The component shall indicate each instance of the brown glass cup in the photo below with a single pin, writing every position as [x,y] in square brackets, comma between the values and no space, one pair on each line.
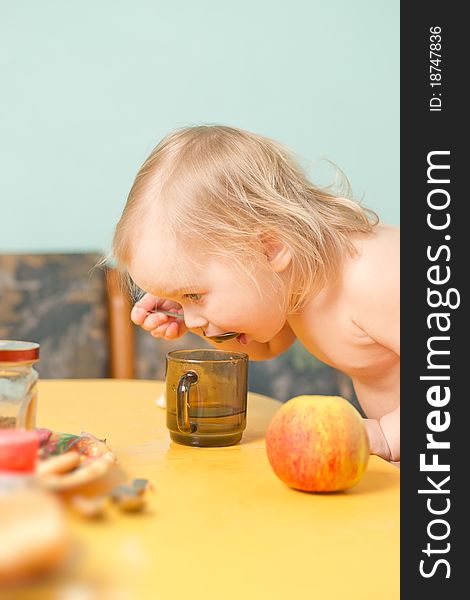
[206,396]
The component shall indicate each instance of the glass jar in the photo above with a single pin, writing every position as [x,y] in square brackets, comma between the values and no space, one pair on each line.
[18,384]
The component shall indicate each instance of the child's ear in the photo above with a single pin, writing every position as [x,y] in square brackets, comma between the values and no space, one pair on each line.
[278,254]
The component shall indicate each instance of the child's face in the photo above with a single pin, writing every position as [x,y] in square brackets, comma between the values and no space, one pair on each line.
[216,296]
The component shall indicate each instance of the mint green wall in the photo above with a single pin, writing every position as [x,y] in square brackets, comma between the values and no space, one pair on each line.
[89,88]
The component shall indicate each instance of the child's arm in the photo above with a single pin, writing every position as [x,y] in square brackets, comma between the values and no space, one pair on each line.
[384,435]
[375,299]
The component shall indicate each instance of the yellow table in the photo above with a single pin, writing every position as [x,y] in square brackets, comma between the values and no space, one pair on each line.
[220,525]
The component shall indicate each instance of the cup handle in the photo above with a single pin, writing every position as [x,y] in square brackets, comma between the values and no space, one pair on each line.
[182,402]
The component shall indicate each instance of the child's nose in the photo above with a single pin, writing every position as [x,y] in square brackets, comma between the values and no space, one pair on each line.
[194,320]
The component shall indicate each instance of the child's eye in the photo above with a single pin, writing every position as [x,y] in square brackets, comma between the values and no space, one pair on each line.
[193,297]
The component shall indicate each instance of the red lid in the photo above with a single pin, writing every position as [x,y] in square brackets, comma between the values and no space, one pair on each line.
[15,351]
[18,450]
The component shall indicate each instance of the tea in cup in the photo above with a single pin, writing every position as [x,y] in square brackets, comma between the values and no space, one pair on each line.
[206,396]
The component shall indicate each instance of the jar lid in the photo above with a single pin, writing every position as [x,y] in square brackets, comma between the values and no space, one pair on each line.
[18,450]
[15,351]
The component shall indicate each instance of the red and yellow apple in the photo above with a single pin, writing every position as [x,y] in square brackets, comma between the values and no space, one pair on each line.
[318,444]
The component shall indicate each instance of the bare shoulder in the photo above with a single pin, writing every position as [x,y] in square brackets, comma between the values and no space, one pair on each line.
[372,286]
[376,266]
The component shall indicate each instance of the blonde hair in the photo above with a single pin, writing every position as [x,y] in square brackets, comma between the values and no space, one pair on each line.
[223,188]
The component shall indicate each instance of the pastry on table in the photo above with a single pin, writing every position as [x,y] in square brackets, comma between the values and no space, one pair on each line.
[34,534]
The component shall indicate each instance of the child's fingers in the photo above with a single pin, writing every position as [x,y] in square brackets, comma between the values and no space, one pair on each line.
[160,331]
[150,305]
[142,308]
[153,321]
[169,305]
[169,331]
[172,331]
[148,302]
[138,315]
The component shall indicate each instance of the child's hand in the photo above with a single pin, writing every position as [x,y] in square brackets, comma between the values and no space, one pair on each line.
[146,314]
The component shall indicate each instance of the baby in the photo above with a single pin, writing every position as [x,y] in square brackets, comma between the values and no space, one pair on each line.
[223,226]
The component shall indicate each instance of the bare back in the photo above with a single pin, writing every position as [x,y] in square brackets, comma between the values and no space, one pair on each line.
[354,325]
